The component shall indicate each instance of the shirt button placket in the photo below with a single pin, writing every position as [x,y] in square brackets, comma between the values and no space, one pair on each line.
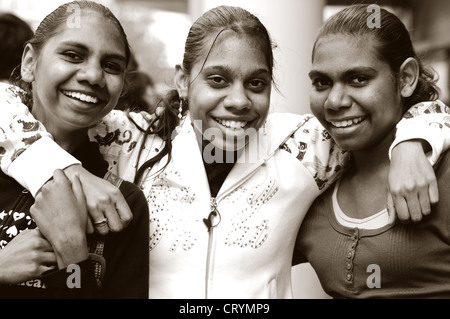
[351,255]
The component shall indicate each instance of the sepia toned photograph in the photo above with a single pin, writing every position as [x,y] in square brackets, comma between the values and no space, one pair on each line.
[215,154]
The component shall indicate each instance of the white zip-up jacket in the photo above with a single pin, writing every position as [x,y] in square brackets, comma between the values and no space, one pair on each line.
[246,252]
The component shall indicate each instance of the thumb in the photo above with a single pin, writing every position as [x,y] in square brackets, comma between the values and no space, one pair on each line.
[390,206]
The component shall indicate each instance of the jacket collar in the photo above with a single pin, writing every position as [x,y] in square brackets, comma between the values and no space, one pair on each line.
[261,147]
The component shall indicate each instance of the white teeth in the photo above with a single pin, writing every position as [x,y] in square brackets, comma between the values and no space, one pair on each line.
[232,124]
[81,96]
[348,122]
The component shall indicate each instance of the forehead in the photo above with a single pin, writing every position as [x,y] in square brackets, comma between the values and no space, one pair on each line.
[342,51]
[92,29]
[234,49]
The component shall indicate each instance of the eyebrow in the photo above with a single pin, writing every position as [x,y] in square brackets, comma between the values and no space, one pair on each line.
[349,72]
[81,46]
[228,70]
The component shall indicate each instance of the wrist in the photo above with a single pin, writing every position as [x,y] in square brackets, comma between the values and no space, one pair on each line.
[71,251]
[414,144]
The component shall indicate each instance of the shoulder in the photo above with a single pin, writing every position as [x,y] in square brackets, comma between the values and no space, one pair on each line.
[427,107]
[285,125]
[287,118]
[10,93]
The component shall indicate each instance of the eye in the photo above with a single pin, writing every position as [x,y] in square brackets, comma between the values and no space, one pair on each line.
[113,67]
[217,81]
[72,56]
[257,84]
[359,80]
[321,84]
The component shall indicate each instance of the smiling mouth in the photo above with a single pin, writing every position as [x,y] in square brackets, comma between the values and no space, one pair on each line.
[347,123]
[81,97]
[235,125]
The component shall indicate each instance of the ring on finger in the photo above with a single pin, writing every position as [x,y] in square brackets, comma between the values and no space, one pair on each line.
[101,222]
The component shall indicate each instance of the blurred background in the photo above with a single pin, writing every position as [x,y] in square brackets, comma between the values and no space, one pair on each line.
[157,30]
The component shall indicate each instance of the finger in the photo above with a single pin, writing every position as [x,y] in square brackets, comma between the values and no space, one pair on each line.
[48,258]
[59,176]
[96,215]
[414,208]
[102,229]
[433,192]
[119,216]
[44,245]
[90,228]
[43,269]
[424,202]
[390,205]
[124,212]
[401,208]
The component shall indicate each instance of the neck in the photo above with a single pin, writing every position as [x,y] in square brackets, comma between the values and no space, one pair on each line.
[68,139]
[66,136]
[362,190]
[372,158]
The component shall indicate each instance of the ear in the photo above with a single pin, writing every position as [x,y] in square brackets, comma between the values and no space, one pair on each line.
[181,82]
[27,68]
[409,77]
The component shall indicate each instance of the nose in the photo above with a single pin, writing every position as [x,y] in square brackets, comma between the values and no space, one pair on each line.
[237,98]
[92,72]
[338,98]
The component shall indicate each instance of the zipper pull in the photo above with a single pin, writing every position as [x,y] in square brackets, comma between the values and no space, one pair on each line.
[214,217]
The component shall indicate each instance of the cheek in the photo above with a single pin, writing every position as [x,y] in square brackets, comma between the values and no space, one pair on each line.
[115,86]
[201,104]
[317,103]
[264,107]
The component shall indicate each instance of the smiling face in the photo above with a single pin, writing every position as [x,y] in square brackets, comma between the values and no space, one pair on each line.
[229,96]
[355,94]
[78,75]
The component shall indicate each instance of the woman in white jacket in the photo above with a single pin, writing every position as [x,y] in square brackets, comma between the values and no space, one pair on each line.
[228,184]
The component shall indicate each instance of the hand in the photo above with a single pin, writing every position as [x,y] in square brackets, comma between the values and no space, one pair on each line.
[26,257]
[103,199]
[412,182]
[61,216]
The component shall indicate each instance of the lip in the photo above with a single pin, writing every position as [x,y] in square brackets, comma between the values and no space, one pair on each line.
[347,122]
[233,123]
[84,96]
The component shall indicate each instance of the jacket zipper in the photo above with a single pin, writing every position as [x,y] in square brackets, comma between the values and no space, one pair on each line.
[214,216]
[211,222]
